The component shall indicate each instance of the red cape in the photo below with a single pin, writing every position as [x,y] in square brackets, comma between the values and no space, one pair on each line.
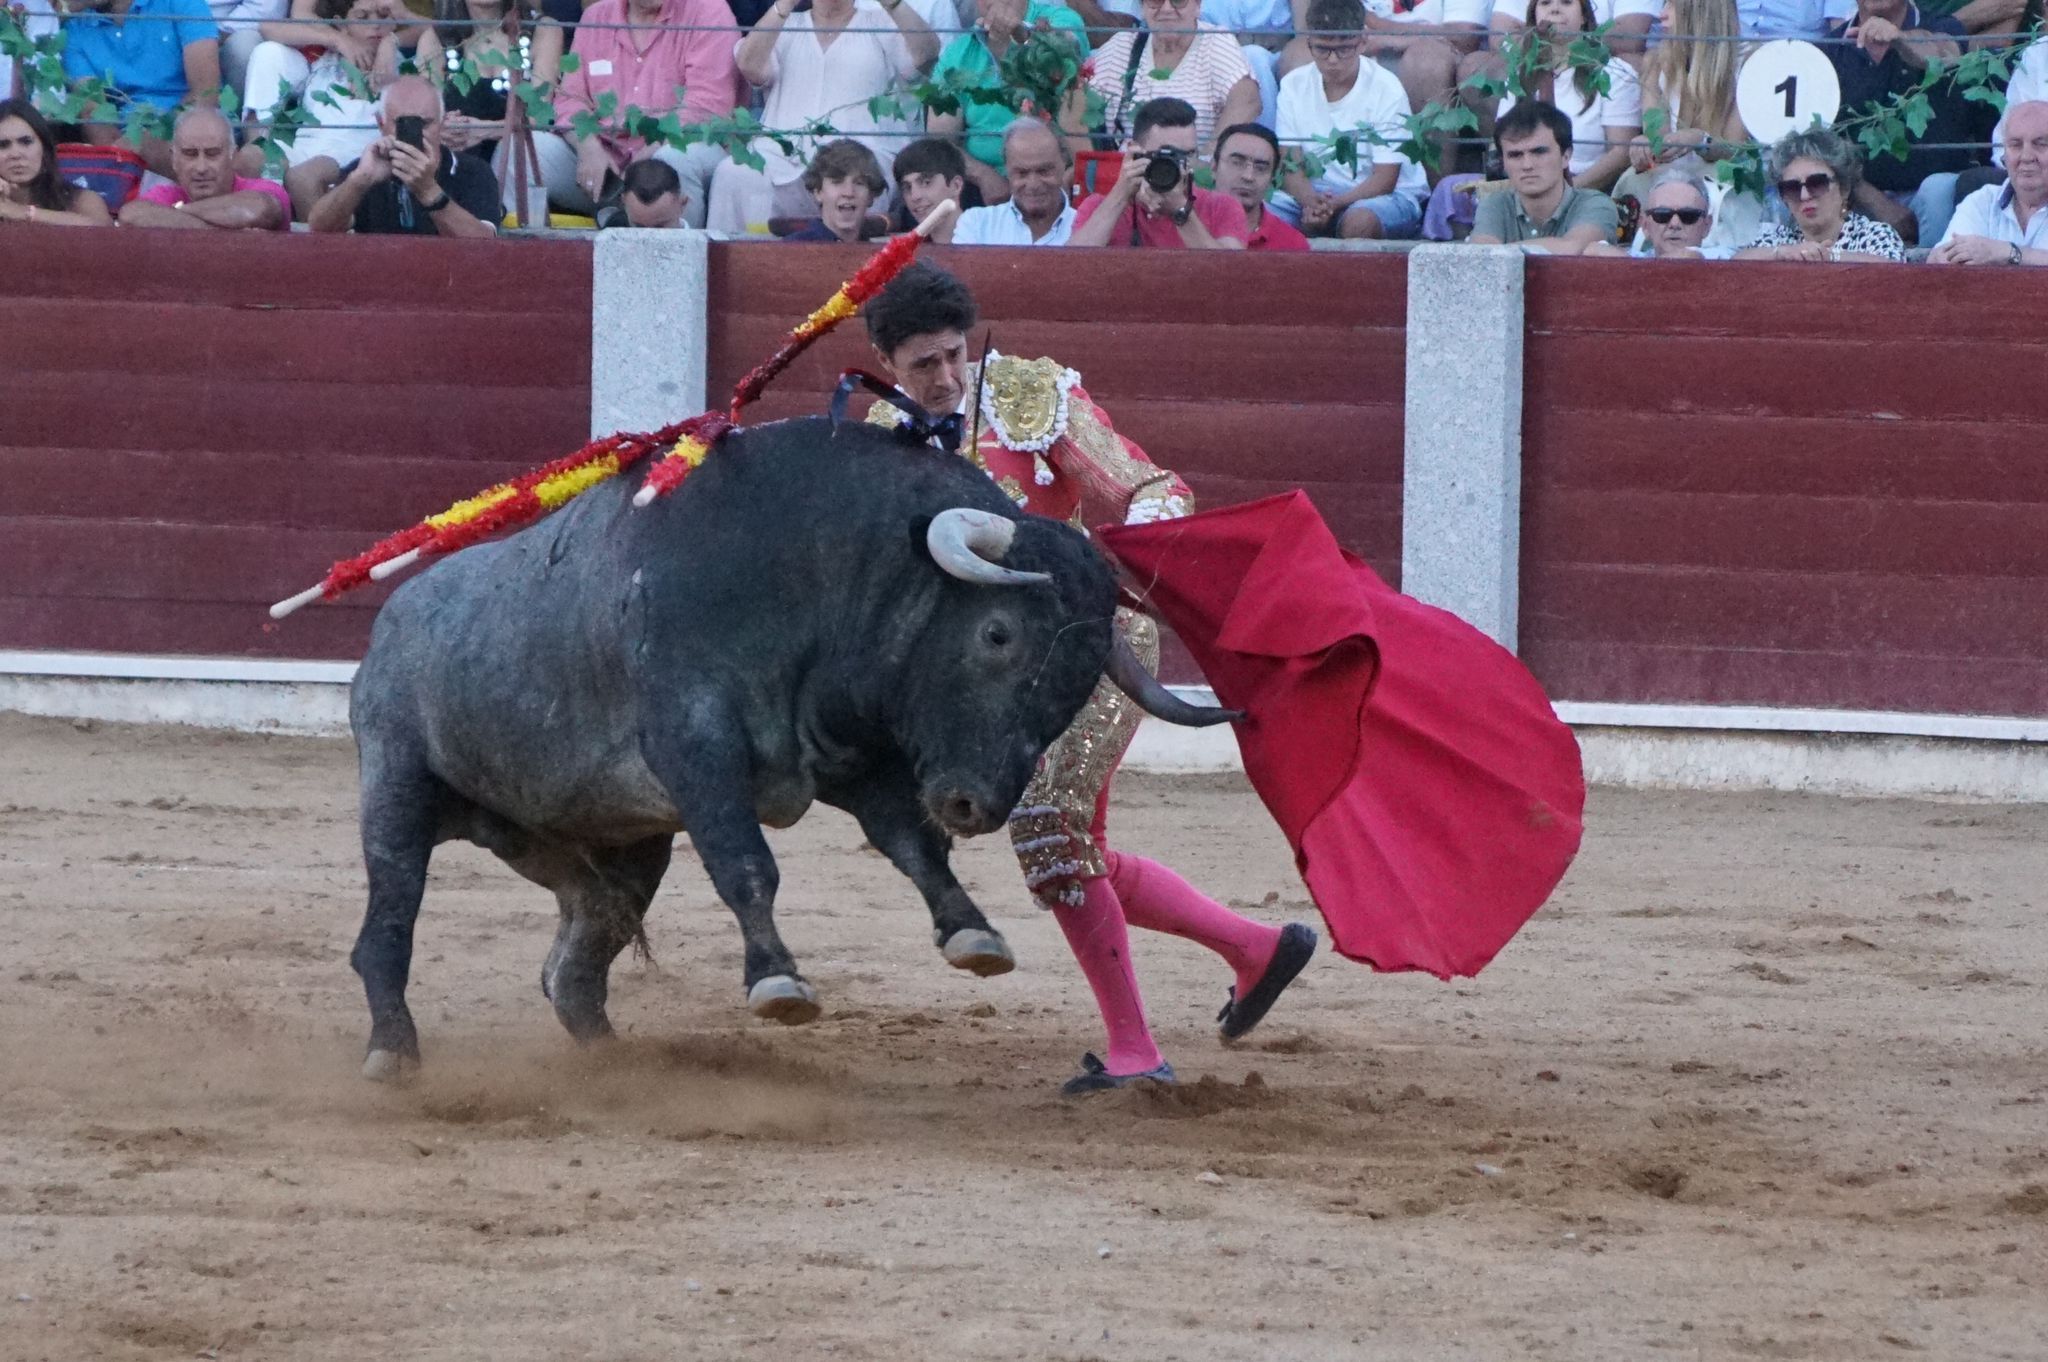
[1432,797]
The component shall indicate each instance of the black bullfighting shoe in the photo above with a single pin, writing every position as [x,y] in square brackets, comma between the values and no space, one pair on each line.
[1096,1077]
[1240,1015]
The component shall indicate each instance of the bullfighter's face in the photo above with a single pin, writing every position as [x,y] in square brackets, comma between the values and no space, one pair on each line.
[932,369]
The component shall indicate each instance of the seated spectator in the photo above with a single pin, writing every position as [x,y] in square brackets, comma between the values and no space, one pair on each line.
[1340,92]
[1133,213]
[928,172]
[2000,224]
[1175,55]
[660,56]
[171,56]
[1815,174]
[2028,82]
[1676,219]
[1423,41]
[281,66]
[240,23]
[1630,22]
[1036,211]
[1688,87]
[38,21]
[845,179]
[1247,159]
[475,50]
[31,188]
[340,100]
[825,63]
[399,188]
[979,126]
[1603,126]
[650,195]
[1887,48]
[204,190]
[1540,208]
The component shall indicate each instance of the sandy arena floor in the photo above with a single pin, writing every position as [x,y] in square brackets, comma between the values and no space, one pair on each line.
[1768,1079]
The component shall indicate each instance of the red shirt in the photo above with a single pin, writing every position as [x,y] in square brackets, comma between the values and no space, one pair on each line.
[1275,234]
[1220,213]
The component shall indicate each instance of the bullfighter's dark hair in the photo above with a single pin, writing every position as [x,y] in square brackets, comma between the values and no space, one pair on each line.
[920,300]
[1530,117]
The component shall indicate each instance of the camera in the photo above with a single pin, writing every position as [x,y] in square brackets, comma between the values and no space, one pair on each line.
[1164,168]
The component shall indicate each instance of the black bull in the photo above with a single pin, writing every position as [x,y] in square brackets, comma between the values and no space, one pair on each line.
[802,620]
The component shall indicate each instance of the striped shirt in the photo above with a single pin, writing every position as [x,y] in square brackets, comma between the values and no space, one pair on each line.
[1212,65]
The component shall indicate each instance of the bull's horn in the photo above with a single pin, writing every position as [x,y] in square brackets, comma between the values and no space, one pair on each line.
[968,544]
[1156,700]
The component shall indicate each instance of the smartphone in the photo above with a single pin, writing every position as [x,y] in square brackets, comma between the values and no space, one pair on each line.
[411,129]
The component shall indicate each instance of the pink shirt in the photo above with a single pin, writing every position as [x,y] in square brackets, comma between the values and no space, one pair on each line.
[696,55]
[1220,213]
[170,195]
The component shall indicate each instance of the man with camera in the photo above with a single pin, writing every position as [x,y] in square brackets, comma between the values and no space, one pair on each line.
[406,181]
[1154,201]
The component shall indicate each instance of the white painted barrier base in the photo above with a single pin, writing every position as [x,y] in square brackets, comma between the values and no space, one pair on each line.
[2001,760]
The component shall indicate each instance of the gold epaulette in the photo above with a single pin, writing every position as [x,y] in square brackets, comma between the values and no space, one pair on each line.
[1024,401]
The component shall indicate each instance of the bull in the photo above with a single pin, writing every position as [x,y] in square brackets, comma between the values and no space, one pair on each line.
[817,614]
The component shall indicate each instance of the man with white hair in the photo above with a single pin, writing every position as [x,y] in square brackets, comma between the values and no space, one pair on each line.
[1037,212]
[1678,213]
[403,186]
[2006,224]
[204,191]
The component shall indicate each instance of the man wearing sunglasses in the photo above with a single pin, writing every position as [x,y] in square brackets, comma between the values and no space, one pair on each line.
[1677,215]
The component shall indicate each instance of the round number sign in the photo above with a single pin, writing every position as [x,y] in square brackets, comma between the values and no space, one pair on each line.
[1786,86]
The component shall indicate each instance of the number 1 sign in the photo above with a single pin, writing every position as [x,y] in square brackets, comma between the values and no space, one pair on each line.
[1786,86]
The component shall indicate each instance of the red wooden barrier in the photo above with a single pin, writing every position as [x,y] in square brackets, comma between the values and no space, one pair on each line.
[197,424]
[1823,487]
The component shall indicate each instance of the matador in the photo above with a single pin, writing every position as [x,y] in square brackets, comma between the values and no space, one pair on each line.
[1032,426]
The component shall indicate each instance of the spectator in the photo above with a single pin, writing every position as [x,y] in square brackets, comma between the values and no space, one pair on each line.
[38,21]
[845,179]
[281,66]
[398,188]
[1540,208]
[340,102]
[2000,224]
[1343,92]
[31,189]
[241,28]
[1603,126]
[1247,159]
[168,58]
[974,55]
[1676,220]
[1889,43]
[1175,55]
[1133,213]
[1815,174]
[928,172]
[473,48]
[1688,89]
[1423,41]
[650,195]
[2028,82]
[825,64]
[204,190]
[661,57]
[1036,212]
[1630,22]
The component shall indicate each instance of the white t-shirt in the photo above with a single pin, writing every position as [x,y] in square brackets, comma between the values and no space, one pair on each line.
[1377,101]
[1003,225]
[1988,212]
[834,84]
[1433,13]
[1604,11]
[2029,81]
[1620,107]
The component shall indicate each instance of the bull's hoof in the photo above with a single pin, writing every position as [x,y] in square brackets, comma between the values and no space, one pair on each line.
[783,998]
[979,952]
[389,1066]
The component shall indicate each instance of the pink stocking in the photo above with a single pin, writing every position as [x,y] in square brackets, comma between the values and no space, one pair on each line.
[1158,900]
[1095,932]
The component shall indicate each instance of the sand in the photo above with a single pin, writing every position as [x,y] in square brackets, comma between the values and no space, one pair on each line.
[1769,1078]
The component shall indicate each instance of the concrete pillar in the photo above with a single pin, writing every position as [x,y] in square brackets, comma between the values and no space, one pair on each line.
[650,294]
[1461,501]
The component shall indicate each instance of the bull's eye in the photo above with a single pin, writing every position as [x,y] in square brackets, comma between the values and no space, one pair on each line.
[997,634]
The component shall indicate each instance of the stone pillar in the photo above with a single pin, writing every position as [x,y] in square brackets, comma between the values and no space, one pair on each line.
[650,294]
[1461,498]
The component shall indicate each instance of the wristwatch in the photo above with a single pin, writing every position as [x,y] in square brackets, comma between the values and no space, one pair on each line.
[437,205]
[2014,258]
[1184,212]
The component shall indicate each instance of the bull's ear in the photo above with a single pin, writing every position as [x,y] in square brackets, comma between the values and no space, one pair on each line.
[920,525]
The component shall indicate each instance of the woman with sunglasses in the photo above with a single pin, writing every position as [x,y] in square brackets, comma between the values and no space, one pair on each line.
[1815,174]
[31,188]
[1174,54]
